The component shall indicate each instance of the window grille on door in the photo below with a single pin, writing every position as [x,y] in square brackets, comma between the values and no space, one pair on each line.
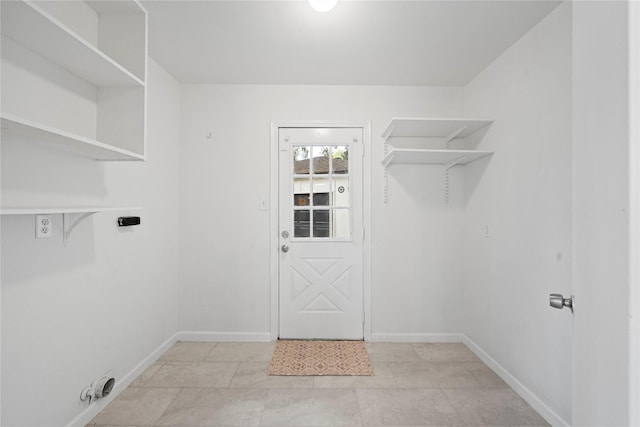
[321,197]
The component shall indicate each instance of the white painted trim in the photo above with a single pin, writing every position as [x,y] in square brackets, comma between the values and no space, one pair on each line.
[215,336]
[533,400]
[367,199]
[367,221]
[417,338]
[634,213]
[122,383]
[273,221]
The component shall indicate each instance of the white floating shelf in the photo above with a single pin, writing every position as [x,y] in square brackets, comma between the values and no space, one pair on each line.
[433,157]
[66,140]
[71,217]
[68,210]
[435,128]
[56,42]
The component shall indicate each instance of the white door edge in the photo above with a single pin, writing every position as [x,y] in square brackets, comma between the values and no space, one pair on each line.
[634,213]
[273,217]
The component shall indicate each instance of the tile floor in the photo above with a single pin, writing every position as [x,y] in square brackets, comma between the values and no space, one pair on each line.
[226,384]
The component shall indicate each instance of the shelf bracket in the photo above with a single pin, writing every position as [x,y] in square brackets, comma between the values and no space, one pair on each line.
[446,176]
[454,134]
[387,133]
[446,186]
[453,163]
[71,220]
[386,176]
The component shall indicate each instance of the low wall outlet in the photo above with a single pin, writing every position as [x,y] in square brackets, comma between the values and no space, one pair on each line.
[43,226]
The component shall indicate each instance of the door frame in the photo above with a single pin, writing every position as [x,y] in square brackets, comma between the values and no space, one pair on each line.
[274,217]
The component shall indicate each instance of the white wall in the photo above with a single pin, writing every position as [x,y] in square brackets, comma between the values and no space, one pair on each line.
[601,152]
[107,299]
[523,194]
[225,240]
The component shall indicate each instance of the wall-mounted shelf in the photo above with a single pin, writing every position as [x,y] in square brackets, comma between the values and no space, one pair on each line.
[75,75]
[432,157]
[34,28]
[445,130]
[71,217]
[433,128]
[65,140]
[69,210]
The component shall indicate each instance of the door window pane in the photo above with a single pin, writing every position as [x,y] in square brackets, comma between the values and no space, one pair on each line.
[340,159]
[341,224]
[301,224]
[320,199]
[320,155]
[301,199]
[301,157]
[321,226]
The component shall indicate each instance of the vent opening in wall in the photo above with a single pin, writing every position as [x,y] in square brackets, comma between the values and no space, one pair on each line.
[104,387]
[101,387]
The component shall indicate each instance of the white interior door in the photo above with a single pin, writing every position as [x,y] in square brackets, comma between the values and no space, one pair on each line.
[321,233]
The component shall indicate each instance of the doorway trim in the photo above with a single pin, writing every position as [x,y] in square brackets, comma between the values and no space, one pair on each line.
[273,216]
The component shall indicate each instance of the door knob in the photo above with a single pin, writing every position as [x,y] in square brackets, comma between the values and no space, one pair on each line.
[559,302]
[284,248]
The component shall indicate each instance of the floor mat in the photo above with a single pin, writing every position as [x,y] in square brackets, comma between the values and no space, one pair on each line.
[320,358]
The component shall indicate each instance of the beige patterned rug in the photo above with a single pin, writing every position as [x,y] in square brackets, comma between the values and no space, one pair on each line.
[320,358]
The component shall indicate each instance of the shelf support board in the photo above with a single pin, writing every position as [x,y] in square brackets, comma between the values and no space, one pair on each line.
[71,220]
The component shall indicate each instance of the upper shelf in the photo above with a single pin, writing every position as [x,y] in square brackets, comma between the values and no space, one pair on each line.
[73,210]
[439,128]
[435,157]
[76,143]
[32,27]
[71,217]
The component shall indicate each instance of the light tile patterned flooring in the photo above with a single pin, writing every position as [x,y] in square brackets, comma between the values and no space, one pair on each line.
[226,384]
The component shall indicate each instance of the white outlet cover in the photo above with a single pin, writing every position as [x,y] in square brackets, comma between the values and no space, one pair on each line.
[44,226]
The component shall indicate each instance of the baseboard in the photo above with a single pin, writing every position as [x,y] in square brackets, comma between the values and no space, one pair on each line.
[533,400]
[426,338]
[224,336]
[122,383]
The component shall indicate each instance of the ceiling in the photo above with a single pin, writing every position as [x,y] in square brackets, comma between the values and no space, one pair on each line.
[367,42]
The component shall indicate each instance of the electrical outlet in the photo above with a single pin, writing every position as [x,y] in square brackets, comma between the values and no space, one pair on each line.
[43,226]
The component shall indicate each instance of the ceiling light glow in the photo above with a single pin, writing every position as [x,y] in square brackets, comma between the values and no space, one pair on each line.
[323,5]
